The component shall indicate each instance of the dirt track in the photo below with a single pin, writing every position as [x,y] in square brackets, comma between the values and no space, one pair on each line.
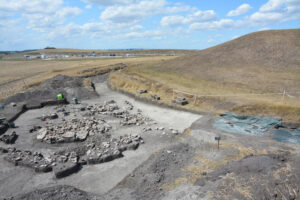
[169,165]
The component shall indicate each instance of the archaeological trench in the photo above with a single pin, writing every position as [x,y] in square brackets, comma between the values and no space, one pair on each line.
[113,146]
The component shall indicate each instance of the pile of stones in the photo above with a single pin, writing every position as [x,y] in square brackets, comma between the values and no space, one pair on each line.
[111,108]
[129,106]
[26,158]
[9,138]
[74,130]
[110,150]
[51,116]
[68,162]
[133,119]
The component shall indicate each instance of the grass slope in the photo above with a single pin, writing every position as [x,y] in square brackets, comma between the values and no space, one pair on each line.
[18,75]
[228,76]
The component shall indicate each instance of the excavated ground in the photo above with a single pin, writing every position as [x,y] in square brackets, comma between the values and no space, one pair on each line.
[111,146]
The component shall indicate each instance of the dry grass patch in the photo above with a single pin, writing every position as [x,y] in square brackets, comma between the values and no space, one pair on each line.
[207,165]
[211,96]
[18,75]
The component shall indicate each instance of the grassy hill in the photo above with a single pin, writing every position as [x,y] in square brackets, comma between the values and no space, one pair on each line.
[246,75]
[252,60]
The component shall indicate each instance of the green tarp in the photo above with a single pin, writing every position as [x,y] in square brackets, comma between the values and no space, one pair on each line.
[246,125]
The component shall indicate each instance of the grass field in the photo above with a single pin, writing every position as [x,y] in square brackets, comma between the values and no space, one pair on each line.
[18,75]
[214,96]
[256,74]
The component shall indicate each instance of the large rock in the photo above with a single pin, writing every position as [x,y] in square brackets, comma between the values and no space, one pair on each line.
[9,139]
[65,169]
[180,100]
[69,136]
[81,135]
[41,134]
[3,128]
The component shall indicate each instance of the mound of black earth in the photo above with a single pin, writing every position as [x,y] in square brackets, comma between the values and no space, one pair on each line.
[70,87]
[270,176]
[54,193]
[147,181]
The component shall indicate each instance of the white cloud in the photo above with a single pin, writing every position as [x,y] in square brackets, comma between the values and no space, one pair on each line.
[202,16]
[151,34]
[110,2]
[94,27]
[264,29]
[30,6]
[276,11]
[66,32]
[214,25]
[88,6]
[178,7]
[39,14]
[68,12]
[273,12]
[272,5]
[134,12]
[211,40]
[199,16]
[173,21]
[242,9]
[136,27]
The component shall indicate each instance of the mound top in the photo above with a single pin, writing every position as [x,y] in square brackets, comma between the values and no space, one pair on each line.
[272,49]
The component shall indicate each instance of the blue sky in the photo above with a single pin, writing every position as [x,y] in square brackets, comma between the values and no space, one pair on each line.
[155,24]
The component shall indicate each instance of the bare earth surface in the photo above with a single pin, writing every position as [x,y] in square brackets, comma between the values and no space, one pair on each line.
[177,158]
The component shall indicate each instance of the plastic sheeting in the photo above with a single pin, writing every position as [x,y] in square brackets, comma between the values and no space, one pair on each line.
[287,136]
[246,125]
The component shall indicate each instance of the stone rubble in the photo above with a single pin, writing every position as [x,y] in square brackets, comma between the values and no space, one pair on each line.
[71,131]
[113,149]
[34,160]
[129,105]
[111,108]
[67,162]
[9,138]
[81,123]
[51,116]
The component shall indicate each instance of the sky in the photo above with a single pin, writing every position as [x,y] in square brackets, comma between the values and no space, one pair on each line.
[147,24]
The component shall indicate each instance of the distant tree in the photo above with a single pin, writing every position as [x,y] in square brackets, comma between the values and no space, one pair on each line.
[50,48]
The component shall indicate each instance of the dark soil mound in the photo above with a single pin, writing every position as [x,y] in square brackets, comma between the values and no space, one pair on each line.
[256,177]
[55,193]
[69,86]
[147,180]
[61,81]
